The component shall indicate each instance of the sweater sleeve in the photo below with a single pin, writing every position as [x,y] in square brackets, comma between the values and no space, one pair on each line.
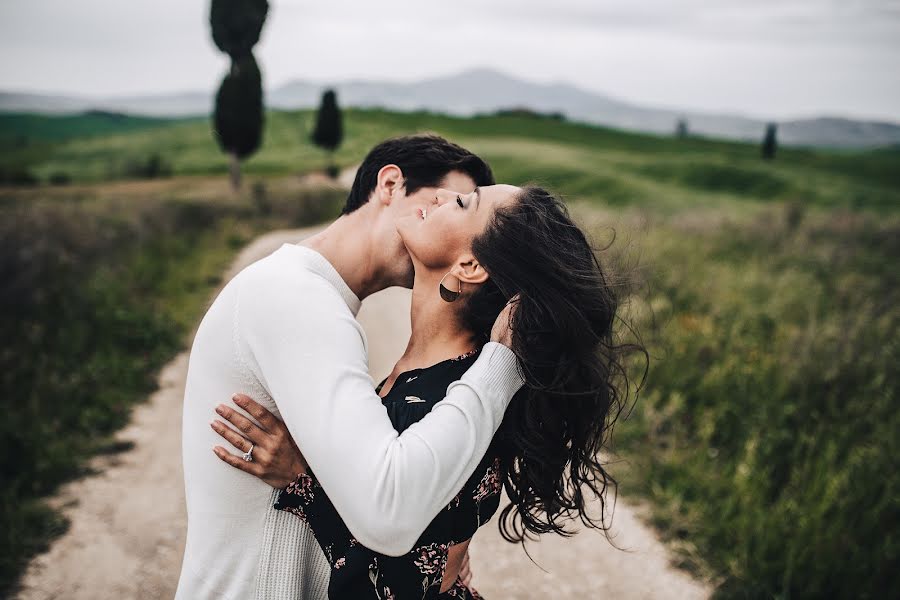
[308,351]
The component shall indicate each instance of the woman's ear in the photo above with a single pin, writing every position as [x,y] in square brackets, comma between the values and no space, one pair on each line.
[388,183]
[468,270]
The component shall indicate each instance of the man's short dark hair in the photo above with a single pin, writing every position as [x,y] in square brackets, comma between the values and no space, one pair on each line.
[425,160]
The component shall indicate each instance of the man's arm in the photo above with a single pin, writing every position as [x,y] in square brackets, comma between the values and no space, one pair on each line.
[308,351]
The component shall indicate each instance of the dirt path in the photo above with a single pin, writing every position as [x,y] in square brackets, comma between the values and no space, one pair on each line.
[128,522]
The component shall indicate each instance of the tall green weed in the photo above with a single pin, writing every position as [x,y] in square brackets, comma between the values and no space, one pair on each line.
[768,434]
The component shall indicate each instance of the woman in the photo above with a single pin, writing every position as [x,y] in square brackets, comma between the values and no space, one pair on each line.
[472,254]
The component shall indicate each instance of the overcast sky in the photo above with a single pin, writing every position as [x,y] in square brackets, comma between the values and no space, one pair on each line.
[767,58]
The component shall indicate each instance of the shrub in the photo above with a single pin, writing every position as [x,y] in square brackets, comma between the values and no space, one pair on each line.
[17,176]
[59,178]
[150,167]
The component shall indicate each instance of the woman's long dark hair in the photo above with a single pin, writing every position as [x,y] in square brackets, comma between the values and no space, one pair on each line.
[576,381]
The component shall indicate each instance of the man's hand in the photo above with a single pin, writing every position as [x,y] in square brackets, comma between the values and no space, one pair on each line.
[465,574]
[457,566]
[502,330]
[276,458]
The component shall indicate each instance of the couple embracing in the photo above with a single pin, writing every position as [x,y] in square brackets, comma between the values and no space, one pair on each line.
[312,482]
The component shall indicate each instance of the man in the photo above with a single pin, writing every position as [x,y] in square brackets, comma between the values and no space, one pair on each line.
[284,329]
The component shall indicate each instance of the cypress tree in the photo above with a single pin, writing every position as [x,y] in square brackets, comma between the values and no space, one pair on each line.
[236,25]
[329,129]
[770,144]
[238,117]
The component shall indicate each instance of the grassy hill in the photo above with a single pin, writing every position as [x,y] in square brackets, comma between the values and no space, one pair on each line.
[579,160]
[16,126]
[767,292]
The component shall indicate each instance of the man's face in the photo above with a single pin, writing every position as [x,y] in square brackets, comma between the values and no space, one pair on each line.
[455,181]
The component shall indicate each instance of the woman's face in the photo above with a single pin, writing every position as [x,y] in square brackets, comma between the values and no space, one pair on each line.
[439,235]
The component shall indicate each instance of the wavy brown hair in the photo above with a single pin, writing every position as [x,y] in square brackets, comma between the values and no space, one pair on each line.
[576,378]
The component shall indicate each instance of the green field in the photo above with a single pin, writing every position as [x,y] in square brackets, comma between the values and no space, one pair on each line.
[765,439]
[588,162]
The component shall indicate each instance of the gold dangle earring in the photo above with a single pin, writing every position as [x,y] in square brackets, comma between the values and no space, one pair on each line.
[449,295]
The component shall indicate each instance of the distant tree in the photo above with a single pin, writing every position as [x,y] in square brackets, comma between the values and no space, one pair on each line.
[329,129]
[238,117]
[681,129]
[770,144]
[530,113]
[236,25]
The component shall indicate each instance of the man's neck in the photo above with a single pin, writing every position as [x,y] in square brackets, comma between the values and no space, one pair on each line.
[348,244]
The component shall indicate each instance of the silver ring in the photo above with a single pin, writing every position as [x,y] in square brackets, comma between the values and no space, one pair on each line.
[248,455]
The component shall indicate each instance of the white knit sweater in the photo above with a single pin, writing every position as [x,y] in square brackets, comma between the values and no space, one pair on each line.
[284,332]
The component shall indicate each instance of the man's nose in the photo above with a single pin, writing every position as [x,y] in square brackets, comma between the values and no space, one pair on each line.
[442,196]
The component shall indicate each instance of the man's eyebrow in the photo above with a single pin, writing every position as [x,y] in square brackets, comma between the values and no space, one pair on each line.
[477,197]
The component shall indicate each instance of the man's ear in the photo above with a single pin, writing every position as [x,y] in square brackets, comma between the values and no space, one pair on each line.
[469,270]
[389,182]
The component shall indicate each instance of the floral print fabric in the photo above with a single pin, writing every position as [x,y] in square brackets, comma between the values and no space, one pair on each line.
[358,572]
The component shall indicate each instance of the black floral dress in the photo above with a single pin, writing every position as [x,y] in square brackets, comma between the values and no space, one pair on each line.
[358,572]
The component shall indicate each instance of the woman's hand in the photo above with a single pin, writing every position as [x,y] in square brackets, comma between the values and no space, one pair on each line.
[276,458]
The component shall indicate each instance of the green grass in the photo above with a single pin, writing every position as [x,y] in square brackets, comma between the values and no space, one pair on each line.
[581,161]
[21,128]
[765,438]
[767,434]
[26,139]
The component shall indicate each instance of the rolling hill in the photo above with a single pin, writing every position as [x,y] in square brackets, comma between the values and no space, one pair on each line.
[485,91]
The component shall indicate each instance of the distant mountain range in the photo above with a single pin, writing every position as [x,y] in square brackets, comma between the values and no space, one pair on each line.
[484,91]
